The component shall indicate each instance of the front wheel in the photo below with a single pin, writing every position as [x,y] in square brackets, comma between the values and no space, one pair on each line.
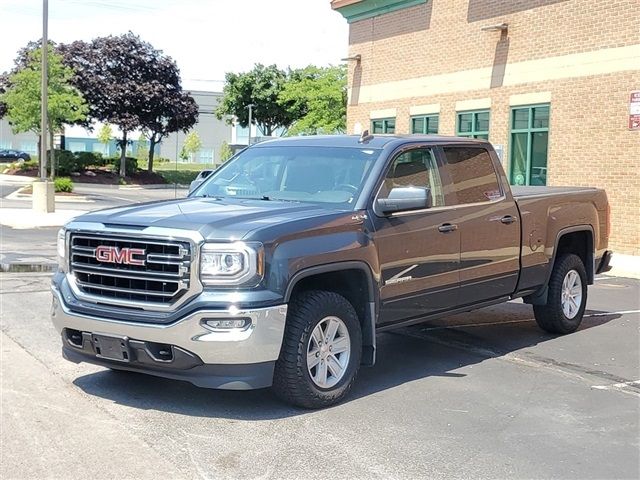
[567,297]
[321,350]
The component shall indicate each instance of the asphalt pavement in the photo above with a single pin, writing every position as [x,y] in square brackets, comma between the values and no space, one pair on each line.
[480,395]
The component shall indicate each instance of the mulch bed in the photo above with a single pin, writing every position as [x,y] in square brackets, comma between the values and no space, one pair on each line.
[102,177]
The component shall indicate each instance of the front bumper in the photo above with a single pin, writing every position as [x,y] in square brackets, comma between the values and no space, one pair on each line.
[235,359]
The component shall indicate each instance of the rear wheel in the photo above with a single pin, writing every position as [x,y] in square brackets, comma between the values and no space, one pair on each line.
[321,350]
[567,297]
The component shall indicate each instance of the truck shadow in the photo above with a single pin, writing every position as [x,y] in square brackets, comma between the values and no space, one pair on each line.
[436,349]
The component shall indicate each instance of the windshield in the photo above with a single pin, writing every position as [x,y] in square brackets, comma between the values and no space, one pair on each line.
[332,175]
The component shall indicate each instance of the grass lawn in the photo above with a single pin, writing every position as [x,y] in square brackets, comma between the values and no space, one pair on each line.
[171,166]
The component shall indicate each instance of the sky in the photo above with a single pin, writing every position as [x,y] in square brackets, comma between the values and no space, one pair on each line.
[206,37]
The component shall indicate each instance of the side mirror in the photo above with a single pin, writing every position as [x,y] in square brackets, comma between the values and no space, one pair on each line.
[403,199]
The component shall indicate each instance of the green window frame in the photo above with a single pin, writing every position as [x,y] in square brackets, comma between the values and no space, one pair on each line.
[473,124]
[383,125]
[425,124]
[529,140]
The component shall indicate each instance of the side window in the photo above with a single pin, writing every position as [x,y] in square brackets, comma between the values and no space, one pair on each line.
[472,174]
[415,168]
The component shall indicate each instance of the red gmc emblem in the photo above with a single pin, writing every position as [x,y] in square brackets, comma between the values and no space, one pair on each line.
[125,255]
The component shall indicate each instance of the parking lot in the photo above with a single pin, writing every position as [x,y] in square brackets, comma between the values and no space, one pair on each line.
[483,395]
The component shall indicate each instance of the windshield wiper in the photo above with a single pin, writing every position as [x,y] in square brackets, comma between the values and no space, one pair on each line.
[263,197]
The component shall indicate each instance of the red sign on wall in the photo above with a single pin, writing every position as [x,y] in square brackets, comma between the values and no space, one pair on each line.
[634,110]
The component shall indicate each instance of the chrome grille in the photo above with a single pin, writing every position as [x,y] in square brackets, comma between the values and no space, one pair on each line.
[163,279]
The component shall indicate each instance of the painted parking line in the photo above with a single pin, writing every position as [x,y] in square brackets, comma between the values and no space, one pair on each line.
[632,387]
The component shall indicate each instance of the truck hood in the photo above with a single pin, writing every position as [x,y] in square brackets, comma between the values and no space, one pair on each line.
[215,218]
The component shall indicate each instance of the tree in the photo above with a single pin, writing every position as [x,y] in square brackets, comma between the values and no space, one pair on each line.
[192,145]
[260,87]
[105,135]
[317,98]
[22,97]
[19,63]
[172,111]
[142,153]
[122,78]
[225,152]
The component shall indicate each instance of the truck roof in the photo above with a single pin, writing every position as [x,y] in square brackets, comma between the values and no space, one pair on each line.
[375,141]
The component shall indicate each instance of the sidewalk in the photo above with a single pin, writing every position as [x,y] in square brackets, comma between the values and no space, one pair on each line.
[27,218]
[17,179]
[625,266]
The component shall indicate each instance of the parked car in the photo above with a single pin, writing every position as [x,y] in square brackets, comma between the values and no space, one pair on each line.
[202,176]
[324,242]
[14,155]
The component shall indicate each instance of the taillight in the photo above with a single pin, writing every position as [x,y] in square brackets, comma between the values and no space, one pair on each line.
[608,219]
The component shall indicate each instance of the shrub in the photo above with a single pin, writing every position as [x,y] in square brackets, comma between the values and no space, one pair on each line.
[63,184]
[182,177]
[66,162]
[26,165]
[130,165]
[89,159]
[162,160]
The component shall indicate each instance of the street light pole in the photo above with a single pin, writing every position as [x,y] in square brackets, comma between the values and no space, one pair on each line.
[43,195]
[44,91]
[250,107]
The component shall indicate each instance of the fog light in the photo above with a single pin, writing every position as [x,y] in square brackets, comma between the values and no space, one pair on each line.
[225,324]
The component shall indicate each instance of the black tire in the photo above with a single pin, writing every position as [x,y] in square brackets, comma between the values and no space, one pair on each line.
[292,381]
[551,317]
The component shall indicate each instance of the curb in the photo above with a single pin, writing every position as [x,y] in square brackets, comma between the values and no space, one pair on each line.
[23,267]
[162,186]
[18,196]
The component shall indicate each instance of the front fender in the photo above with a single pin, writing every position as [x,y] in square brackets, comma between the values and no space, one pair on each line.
[296,258]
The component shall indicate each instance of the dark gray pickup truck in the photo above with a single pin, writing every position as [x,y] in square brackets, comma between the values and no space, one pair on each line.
[280,268]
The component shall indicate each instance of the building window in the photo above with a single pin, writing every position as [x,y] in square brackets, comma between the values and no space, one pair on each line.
[529,145]
[101,148]
[427,124]
[242,135]
[5,145]
[383,125]
[29,147]
[474,124]
[77,146]
[206,155]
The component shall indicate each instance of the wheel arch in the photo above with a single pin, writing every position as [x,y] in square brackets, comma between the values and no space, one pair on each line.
[577,239]
[354,281]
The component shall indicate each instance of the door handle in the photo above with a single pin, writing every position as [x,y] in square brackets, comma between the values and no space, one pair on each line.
[447,227]
[508,219]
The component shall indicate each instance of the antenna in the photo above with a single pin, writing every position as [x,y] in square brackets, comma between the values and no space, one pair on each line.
[365,137]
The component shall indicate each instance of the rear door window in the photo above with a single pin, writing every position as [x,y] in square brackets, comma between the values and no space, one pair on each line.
[472,174]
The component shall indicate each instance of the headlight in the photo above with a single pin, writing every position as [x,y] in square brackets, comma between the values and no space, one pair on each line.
[229,263]
[61,246]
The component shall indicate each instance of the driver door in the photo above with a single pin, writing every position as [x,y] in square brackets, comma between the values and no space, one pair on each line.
[418,251]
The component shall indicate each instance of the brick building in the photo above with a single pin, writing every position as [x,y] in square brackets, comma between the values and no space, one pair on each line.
[548,82]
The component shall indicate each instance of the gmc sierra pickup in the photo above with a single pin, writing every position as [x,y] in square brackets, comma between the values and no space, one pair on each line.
[279,269]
